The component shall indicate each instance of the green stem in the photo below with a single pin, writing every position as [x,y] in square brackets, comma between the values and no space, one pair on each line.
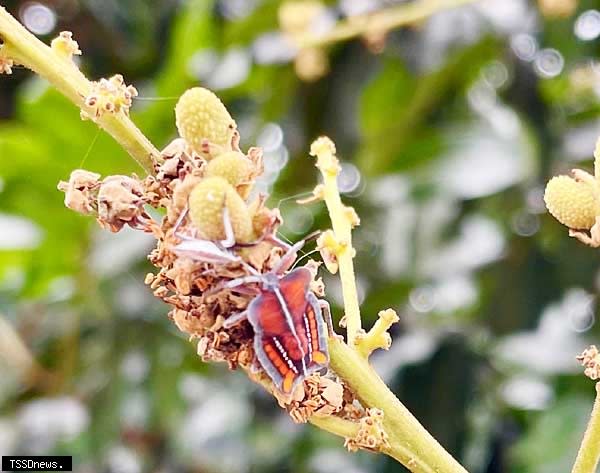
[335,425]
[324,150]
[381,21]
[589,452]
[410,443]
[597,160]
[24,48]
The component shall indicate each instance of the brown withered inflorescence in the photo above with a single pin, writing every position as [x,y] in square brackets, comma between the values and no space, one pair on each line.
[202,176]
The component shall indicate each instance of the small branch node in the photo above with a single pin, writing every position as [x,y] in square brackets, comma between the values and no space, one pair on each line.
[378,336]
[65,46]
[590,360]
[371,434]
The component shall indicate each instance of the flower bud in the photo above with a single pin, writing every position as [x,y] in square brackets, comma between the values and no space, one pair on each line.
[235,168]
[206,203]
[204,122]
[572,202]
[65,46]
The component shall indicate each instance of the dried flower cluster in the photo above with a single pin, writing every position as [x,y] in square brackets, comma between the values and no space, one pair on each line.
[321,396]
[203,177]
[590,360]
[371,434]
[116,200]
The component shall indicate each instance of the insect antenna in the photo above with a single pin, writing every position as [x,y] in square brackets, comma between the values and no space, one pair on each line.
[304,256]
[180,219]
[312,236]
[293,197]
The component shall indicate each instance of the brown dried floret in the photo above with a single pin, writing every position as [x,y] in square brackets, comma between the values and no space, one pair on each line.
[183,273]
[371,433]
[264,220]
[317,395]
[6,63]
[121,202]
[178,160]
[185,322]
[590,360]
[81,191]
[176,164]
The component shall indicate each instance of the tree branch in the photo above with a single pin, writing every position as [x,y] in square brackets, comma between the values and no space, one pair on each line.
[24,48]
[589,452]
[378,22]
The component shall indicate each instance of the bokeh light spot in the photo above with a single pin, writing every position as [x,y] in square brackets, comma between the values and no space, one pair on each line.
[548,63]
[423,299]
[38,18]
[349,178]
[524,46]
[587,26]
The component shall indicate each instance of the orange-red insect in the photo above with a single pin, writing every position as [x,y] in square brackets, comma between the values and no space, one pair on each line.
[290,338]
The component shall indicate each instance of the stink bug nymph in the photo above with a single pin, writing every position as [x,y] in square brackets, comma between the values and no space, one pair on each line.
[290,334]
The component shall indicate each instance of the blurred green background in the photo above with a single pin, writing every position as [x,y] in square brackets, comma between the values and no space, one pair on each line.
[447,137]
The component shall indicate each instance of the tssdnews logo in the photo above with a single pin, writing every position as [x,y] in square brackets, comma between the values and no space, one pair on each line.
[62,463]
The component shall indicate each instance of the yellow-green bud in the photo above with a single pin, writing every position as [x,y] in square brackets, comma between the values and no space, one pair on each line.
[572,202]
[65,46]
[204,122]
[206,203]
[235,168]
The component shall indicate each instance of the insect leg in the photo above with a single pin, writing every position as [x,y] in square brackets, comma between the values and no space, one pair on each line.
[235,319]
[179,221]
[204,250]
[326,310]
[287,260]
[229,241]
[232,284]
